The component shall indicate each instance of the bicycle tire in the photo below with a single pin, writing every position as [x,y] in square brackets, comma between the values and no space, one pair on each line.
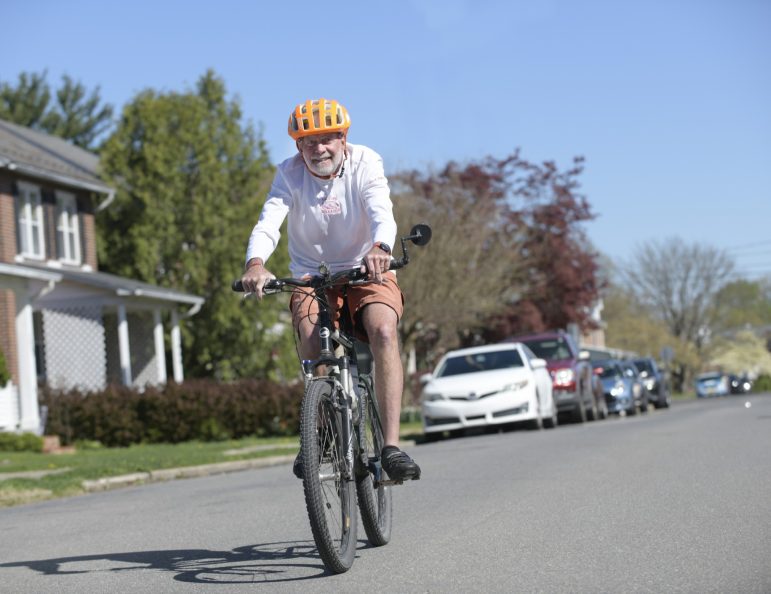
[329,494]
[375,505]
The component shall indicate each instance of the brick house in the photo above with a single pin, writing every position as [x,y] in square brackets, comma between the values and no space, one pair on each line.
[62,322]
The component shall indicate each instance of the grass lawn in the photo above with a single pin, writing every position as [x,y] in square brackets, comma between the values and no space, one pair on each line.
[70,470]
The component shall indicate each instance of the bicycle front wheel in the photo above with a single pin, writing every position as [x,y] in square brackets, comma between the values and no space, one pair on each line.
[329,488]
[374,503]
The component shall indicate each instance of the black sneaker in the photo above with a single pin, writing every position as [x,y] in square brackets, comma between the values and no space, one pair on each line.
[398,465]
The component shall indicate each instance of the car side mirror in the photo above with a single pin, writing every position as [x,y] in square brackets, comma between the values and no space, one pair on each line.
[425,378]
[584,356]
[538,363]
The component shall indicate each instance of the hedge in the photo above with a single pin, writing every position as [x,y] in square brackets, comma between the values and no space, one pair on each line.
[192,410]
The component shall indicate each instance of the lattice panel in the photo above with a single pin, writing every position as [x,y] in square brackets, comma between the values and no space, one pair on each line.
[143,364]
[74,348]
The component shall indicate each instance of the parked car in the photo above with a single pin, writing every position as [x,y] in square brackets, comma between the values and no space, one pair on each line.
[624,391]
[488,385]
[655,381]
[571,374]
[711,383]
[739,384]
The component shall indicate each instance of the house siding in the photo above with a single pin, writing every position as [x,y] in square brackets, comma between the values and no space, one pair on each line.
[7,222]
[7,298]
[8,335]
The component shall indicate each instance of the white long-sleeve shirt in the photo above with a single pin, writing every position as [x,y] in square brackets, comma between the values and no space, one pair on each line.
[334,221]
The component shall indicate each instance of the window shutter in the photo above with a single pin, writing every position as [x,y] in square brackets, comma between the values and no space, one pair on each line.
[16,214]
[50,219]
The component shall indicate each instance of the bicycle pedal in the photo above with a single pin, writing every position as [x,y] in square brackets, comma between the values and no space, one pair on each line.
[387,483]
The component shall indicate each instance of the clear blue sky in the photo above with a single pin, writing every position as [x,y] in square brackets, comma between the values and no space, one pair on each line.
[668,101]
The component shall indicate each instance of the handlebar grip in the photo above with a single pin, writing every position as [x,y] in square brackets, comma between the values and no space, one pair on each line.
[273,285]
[396,264]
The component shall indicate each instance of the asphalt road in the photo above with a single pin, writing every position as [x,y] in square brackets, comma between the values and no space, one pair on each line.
[672,501]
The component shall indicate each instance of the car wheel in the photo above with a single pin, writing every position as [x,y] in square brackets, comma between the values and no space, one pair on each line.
[604,409]
[536,424]
[579,413]
[593,414]
[553,420]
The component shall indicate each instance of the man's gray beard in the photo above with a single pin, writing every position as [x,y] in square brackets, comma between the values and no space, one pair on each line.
[325,170]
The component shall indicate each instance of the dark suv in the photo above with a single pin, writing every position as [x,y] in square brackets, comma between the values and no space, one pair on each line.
[655,381]
[571,372]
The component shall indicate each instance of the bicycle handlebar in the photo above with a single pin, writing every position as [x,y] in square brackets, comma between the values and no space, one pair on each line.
[352,275]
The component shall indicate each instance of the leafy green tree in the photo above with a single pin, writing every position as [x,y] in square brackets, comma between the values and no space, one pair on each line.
[26,103]
[76,115]
[743,303]
[631,327]
[743,353]
[191,179]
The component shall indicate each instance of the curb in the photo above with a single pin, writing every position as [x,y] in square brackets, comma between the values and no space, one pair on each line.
[169,474]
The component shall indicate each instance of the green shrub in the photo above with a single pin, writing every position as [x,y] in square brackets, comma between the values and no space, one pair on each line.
[762,383]
[5,375]
[202,410]
[20,442]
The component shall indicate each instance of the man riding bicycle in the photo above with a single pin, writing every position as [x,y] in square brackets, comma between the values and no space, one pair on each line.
[340,214]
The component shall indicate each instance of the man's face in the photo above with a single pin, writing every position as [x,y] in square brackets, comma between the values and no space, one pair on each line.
[323,153]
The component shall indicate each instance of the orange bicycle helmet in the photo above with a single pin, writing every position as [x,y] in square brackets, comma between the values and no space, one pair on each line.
[318,116]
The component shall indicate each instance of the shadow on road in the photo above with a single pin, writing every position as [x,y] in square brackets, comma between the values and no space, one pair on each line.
[263,563]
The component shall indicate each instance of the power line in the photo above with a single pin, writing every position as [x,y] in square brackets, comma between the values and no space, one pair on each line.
[749,245]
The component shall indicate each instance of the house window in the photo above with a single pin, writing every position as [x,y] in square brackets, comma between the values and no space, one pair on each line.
[31,238]
[67,228]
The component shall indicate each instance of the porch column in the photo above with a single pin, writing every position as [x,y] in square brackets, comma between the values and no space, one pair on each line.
[176,347]
[123,346]
[160,351]
[29,411]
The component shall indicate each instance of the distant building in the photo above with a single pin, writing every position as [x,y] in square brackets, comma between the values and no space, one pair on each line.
[62,322]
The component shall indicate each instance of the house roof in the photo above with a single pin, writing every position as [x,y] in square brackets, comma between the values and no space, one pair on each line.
[48,157]
[116,285]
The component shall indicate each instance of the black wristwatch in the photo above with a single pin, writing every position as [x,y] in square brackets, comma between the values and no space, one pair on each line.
[383,246]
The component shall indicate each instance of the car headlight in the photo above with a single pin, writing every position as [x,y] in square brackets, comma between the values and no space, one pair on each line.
[431,396]
[650,384]
[515,386]
[563,376]
[617,390]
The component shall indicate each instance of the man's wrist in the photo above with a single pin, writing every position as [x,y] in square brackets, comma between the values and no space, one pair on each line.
[254,262]
[383,246]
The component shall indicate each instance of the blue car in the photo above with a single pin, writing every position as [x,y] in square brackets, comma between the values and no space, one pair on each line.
[624,390]
[711,384]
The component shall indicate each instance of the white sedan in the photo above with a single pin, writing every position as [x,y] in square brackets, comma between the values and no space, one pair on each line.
[488,385]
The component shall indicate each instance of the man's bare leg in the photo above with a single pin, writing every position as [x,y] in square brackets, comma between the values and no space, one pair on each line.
[380,322]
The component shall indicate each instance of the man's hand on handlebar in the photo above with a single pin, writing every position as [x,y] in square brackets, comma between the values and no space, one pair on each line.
[255,276]
[376,262]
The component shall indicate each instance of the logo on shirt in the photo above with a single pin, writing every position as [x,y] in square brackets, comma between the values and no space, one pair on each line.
[331,206]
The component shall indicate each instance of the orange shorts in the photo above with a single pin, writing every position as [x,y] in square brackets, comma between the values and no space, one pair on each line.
[304,306]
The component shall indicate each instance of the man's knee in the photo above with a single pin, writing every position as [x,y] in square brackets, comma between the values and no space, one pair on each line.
[380,322]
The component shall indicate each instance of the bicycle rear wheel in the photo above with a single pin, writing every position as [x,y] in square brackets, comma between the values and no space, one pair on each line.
[329,493]
[375,505]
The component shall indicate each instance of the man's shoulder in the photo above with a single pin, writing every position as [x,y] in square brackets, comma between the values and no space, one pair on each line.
[360,154]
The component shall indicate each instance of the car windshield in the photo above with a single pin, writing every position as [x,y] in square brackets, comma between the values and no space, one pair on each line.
[609,371]
[709,378]
[643,365]
[549,349]
[475,362]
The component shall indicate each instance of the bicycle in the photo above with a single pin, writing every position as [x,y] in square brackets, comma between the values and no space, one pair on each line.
[341,436]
